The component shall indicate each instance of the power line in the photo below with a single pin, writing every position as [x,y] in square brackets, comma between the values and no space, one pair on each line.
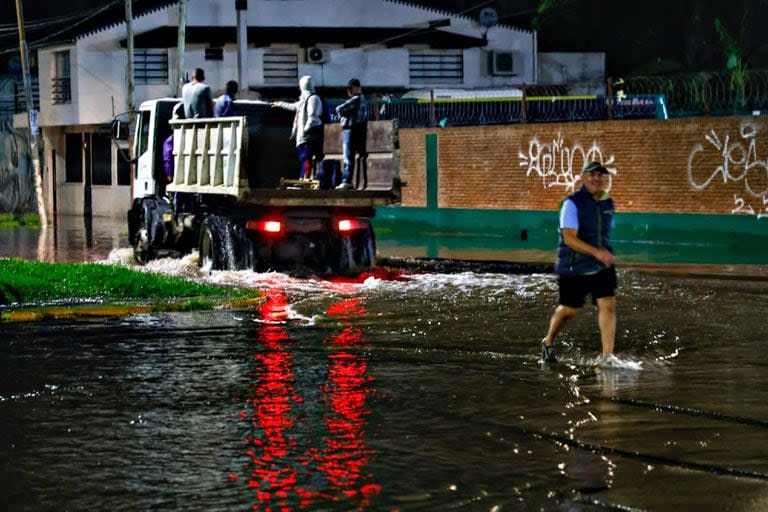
[40,42]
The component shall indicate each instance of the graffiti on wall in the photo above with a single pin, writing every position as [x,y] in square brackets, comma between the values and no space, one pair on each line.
[737,161]
[559,165]
[17,192]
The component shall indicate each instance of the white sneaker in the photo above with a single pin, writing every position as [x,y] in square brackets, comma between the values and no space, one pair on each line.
[344,186]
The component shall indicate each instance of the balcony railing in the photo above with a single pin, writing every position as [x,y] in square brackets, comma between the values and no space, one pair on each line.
[61,90]
[19,99]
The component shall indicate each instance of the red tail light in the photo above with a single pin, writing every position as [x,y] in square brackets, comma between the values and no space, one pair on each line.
[267,226]
[347,225]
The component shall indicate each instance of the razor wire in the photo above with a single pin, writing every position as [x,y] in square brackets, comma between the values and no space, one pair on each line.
[707,93]
[656,97]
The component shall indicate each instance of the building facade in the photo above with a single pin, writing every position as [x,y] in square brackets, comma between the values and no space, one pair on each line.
[390,45]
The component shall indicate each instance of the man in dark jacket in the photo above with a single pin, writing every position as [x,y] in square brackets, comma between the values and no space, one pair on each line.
[353,115]
[585,261]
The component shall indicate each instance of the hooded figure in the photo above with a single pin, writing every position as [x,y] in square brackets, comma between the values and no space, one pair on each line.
[307,125]
[308,110]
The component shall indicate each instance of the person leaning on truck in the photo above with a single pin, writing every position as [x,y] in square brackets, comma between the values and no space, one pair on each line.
[307,125]
[197,97]
[353,115]
[585,261]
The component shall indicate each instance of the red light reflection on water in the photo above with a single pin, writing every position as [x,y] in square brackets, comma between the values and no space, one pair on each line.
[325,467]
[345,453]
[271,399]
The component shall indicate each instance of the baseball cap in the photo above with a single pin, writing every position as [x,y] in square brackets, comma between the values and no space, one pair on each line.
[594,167]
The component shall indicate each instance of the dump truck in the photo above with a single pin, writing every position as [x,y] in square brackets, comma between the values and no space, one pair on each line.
[235,196]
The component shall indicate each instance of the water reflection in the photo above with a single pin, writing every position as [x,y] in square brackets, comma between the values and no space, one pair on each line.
[290,466]
[71,238]
[345,454]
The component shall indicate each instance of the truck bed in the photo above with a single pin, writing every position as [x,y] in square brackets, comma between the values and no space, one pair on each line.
[247,157]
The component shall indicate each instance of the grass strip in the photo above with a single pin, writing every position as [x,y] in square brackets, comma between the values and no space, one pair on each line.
[13,220]
[24,281]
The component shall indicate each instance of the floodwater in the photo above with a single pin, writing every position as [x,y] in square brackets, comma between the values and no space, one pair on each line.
[408,391]
[72,238]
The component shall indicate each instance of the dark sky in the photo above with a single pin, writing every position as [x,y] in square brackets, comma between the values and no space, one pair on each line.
[648,37]
[512,12]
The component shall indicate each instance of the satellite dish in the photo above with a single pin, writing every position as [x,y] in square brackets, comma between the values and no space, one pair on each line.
[488,17]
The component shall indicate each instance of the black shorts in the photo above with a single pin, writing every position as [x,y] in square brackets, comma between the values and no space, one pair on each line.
[574,288]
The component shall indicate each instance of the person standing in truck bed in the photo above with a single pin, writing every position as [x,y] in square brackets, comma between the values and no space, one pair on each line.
[307,125]
[224,104]
[353,115]
[197,97]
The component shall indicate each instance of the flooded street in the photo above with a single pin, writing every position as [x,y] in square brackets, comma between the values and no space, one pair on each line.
[72,238]
[397,391]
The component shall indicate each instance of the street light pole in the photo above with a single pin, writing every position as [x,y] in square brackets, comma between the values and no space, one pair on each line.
[31,117]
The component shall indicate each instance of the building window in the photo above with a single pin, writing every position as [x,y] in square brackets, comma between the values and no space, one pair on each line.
[436,67]
[61,84]
[142,132]
[74,160]
[281,67]
[91,152]
[101,159]
[150,66]
[214,54]
[123,166]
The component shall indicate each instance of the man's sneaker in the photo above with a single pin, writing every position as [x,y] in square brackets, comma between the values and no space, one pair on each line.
[344,186]
[548,354]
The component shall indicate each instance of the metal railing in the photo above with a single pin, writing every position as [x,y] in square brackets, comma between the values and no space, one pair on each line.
[700,94]
[19,97]
[61,90]
[413,113]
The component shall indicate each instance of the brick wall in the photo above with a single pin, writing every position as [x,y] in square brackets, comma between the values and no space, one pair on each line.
[697,165]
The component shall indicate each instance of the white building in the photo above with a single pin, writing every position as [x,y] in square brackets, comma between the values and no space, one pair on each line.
[390,45]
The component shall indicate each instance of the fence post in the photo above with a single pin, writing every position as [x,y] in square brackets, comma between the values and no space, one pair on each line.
[376,113]
[704,96]
[524,105]
[609,96]
[432,120]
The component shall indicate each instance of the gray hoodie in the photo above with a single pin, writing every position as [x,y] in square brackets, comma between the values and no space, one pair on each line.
[308,109]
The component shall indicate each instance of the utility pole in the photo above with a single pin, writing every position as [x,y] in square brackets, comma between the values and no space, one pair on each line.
[129,71]
[181,46]
[241,6]
[34,143]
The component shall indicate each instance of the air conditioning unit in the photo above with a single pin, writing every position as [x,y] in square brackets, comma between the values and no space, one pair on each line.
[502,63]
[317,55]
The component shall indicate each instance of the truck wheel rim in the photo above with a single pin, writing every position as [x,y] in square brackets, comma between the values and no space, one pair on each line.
[141,245]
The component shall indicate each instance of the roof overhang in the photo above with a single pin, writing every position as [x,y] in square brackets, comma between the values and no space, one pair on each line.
[349,37]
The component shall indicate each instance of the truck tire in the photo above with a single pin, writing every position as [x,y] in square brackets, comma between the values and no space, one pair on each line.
[357,252]
[142,250]
[224,245]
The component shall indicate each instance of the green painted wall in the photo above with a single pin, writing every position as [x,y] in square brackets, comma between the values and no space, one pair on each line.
[532,235]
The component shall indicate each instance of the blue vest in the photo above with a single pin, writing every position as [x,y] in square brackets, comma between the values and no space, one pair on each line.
[595,223]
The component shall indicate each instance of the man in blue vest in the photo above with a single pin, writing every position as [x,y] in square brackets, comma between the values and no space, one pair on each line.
[585,261]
